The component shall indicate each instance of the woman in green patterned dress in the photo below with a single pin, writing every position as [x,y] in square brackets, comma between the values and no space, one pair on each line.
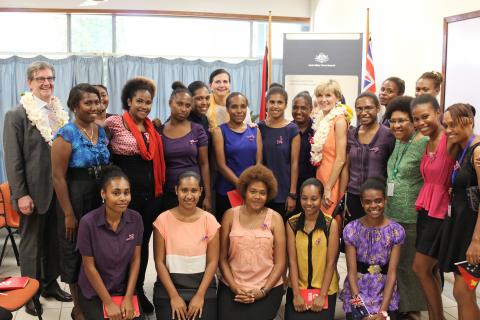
[403,184]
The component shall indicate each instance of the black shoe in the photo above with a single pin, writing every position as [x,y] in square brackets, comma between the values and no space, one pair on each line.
[54,291]
[30,308]
[146,305]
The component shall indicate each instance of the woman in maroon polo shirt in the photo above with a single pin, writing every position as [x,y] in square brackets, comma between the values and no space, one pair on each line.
[109,241]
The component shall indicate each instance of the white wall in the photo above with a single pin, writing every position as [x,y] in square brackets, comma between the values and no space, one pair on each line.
[292,8]
[407,35]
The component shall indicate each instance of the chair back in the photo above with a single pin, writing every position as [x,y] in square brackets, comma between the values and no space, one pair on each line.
[11,217]
[15,299]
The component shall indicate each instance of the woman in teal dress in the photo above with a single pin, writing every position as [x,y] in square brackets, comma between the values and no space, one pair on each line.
[403,184]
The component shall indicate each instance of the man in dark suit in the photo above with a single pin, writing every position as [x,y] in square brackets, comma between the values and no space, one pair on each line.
[28,131]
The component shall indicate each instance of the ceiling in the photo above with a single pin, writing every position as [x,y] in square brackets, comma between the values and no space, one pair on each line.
[291,8]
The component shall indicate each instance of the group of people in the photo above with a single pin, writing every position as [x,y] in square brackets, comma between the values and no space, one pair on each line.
[393,193]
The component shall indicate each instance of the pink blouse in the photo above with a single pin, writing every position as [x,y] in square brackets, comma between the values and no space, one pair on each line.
[122,140]
[436,169]
[250,255]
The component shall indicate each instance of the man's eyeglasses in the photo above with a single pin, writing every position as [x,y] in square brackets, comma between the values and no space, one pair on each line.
[42,79]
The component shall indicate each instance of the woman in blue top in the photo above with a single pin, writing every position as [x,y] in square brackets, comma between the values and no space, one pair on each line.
[78,154]
[281,149]
[237,147]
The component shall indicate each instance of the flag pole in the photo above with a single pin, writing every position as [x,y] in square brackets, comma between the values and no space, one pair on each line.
[367,37]
[269,47]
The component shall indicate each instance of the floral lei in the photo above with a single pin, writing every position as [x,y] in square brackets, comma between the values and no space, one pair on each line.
[321,127]
[36,117]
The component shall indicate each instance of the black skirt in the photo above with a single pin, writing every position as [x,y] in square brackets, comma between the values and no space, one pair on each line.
[264,309]
[458,229]
[429,231]
[84,193]
[327,314]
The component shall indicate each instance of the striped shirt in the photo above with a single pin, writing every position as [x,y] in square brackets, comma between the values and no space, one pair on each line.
[186,252]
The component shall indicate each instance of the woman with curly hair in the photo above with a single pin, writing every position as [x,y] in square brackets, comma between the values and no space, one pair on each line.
[252,251]
[137,149]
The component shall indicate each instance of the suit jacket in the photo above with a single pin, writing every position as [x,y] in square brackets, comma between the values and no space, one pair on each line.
[27,160]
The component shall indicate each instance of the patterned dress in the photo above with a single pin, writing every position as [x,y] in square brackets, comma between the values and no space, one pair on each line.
[373,246]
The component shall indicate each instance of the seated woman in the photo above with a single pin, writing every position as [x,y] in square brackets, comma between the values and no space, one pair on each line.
[237,147]
[109,241]
[252,255]
[312,246]
[186,248]
[372,250]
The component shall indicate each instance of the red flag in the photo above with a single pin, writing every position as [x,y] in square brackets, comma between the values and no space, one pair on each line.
[263,97]
[470,273]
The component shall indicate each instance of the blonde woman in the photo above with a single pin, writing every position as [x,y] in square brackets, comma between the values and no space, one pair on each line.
[329,145]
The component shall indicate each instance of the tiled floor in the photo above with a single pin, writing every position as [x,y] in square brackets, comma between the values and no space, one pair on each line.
[54,310]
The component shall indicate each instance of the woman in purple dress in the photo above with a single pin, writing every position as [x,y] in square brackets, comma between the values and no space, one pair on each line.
[373,251]
[185,145]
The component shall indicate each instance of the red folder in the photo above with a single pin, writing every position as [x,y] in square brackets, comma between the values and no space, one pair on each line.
[309,294]
[13,283]
[118,301]
[235,198]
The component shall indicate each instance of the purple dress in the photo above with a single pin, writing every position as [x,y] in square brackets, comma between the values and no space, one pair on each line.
[373,246]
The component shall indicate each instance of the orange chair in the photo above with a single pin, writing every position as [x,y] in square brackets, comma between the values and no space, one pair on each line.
[13,300]
[9,219]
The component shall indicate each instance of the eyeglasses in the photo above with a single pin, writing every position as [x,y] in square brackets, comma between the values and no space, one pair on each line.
[42,79]
[399,121]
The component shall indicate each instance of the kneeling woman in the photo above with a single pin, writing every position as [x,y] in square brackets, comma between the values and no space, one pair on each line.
[186,249]
[312,245]
[110,240]
[252,255]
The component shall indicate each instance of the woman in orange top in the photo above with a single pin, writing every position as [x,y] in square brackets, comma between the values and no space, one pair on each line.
[329,145]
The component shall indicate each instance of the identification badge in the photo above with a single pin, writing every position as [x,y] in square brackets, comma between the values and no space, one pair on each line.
[449,211]
[390,189]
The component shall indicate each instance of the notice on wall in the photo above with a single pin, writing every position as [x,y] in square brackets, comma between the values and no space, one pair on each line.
[312,58]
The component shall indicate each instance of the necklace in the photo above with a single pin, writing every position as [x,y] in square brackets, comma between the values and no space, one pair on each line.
[89,136]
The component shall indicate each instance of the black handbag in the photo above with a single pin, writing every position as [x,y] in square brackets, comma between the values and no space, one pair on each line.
[473,197]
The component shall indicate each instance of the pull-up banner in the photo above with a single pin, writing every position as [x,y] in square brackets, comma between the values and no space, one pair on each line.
[312,58]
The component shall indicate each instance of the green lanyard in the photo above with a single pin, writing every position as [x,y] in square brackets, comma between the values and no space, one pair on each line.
[399,158]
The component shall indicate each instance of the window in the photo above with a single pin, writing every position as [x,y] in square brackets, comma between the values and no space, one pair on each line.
[260,33]
[91,33]
[158,36]
[165,36]
[33,32]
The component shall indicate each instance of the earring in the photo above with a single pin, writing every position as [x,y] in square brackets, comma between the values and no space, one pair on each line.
[103,200]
